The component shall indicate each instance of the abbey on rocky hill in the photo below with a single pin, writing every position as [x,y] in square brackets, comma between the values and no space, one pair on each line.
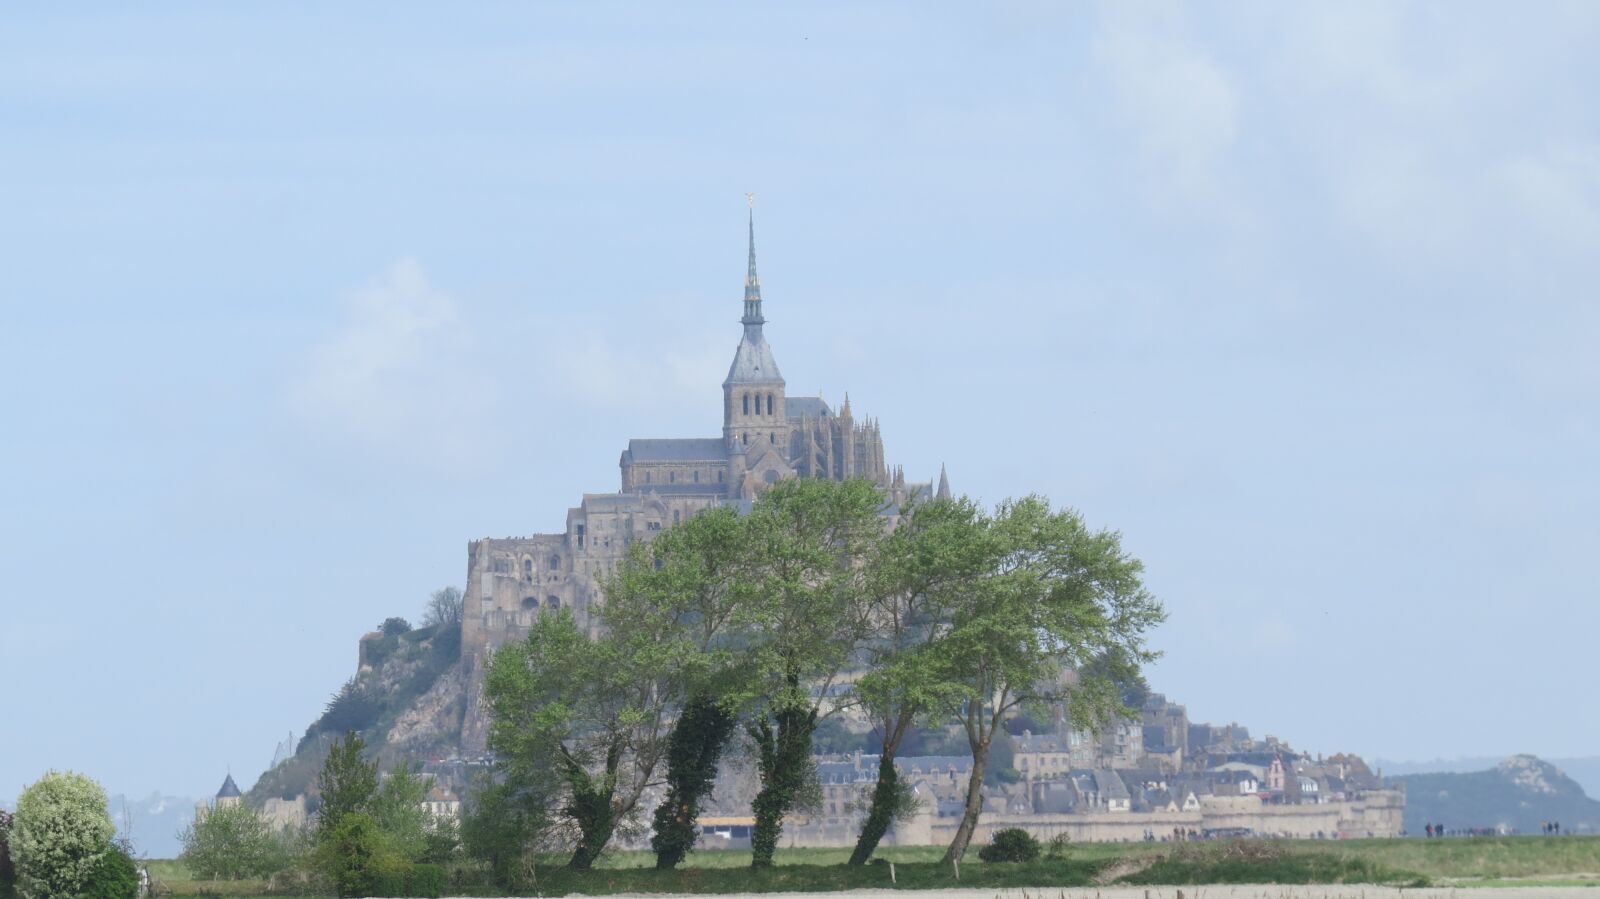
[767,435]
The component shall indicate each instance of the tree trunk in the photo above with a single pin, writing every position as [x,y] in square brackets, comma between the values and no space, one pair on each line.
[974,806]
[592,807]
[596,822]
[784,755]
[885,795]
[698,738]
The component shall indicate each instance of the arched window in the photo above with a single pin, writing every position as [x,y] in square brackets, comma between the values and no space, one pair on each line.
[555,563]
[552,602]
[747,404]
[675,516]
[672,477]
[530,602]
[697,477]
[647,477]
[527,568]
[720,477]
[769,404]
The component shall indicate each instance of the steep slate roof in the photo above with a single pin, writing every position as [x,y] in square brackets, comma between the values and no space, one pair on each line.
[805,407]
[1038,743]
[687,449]
[753,362]
[1110,785]
[934,763]
[229,789]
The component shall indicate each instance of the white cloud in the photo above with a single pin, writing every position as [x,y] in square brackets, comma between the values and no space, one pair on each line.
[1558,194]
[1176,98]
[399,379]
[590,369]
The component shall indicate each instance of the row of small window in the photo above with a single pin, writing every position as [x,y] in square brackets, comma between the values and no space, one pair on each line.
[503,566]
[530,603]
[771,407]
[672,477]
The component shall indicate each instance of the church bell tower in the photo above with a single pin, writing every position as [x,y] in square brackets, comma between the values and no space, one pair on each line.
[752,396]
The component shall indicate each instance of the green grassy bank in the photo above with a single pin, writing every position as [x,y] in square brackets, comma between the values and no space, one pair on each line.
[1464,862]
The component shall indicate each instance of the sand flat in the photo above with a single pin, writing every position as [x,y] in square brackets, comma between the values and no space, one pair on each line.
[1213,891]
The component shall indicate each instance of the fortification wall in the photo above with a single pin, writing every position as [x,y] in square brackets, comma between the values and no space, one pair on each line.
[1372,815]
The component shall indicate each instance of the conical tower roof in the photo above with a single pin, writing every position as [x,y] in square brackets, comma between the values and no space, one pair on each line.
[230,790]
[753,362]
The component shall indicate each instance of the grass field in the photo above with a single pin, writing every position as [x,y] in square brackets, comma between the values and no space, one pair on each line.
[1484,861]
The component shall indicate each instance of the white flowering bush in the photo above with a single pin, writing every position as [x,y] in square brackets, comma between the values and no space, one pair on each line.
[61,830]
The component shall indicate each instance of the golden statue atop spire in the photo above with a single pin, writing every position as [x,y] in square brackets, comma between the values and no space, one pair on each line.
[750,199]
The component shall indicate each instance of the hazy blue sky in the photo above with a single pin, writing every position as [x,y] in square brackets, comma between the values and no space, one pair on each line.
[295,300]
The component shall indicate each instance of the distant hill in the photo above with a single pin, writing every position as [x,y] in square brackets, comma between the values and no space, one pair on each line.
[1586,771]
[152,823]
[1521,792]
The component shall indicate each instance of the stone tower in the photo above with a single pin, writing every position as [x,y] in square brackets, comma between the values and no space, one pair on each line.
[229,793]
[753,409]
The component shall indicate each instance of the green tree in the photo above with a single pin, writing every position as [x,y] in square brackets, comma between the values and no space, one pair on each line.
[920,574]
[592,708]
[356,857]
[114,876]
[445,607]
[8,874]
[507,822]
[60,833]
[1058,597]
[397,807]
[810,540]
[347,785]
[689,587]
[232,842]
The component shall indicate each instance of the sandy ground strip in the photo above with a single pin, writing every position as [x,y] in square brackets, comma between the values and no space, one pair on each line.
[1215,891]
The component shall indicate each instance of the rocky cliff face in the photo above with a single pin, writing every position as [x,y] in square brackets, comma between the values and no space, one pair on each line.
[1520,793]
[406,700]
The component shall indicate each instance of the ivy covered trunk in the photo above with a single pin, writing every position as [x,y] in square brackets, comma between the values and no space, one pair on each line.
[593,807]
[886,799]
[784,756]
[885,796]
[698,738]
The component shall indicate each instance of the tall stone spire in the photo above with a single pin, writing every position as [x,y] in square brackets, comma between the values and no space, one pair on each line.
[752,284]
[944,483]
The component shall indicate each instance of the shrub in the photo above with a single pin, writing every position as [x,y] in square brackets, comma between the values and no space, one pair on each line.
[357,860]
[115,876]
[60,832]
[1057,846]
[232,842]
[426,881]
[1013,844]
[8,874]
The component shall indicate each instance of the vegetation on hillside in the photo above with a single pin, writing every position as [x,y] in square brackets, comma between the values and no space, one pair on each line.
[400,665]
